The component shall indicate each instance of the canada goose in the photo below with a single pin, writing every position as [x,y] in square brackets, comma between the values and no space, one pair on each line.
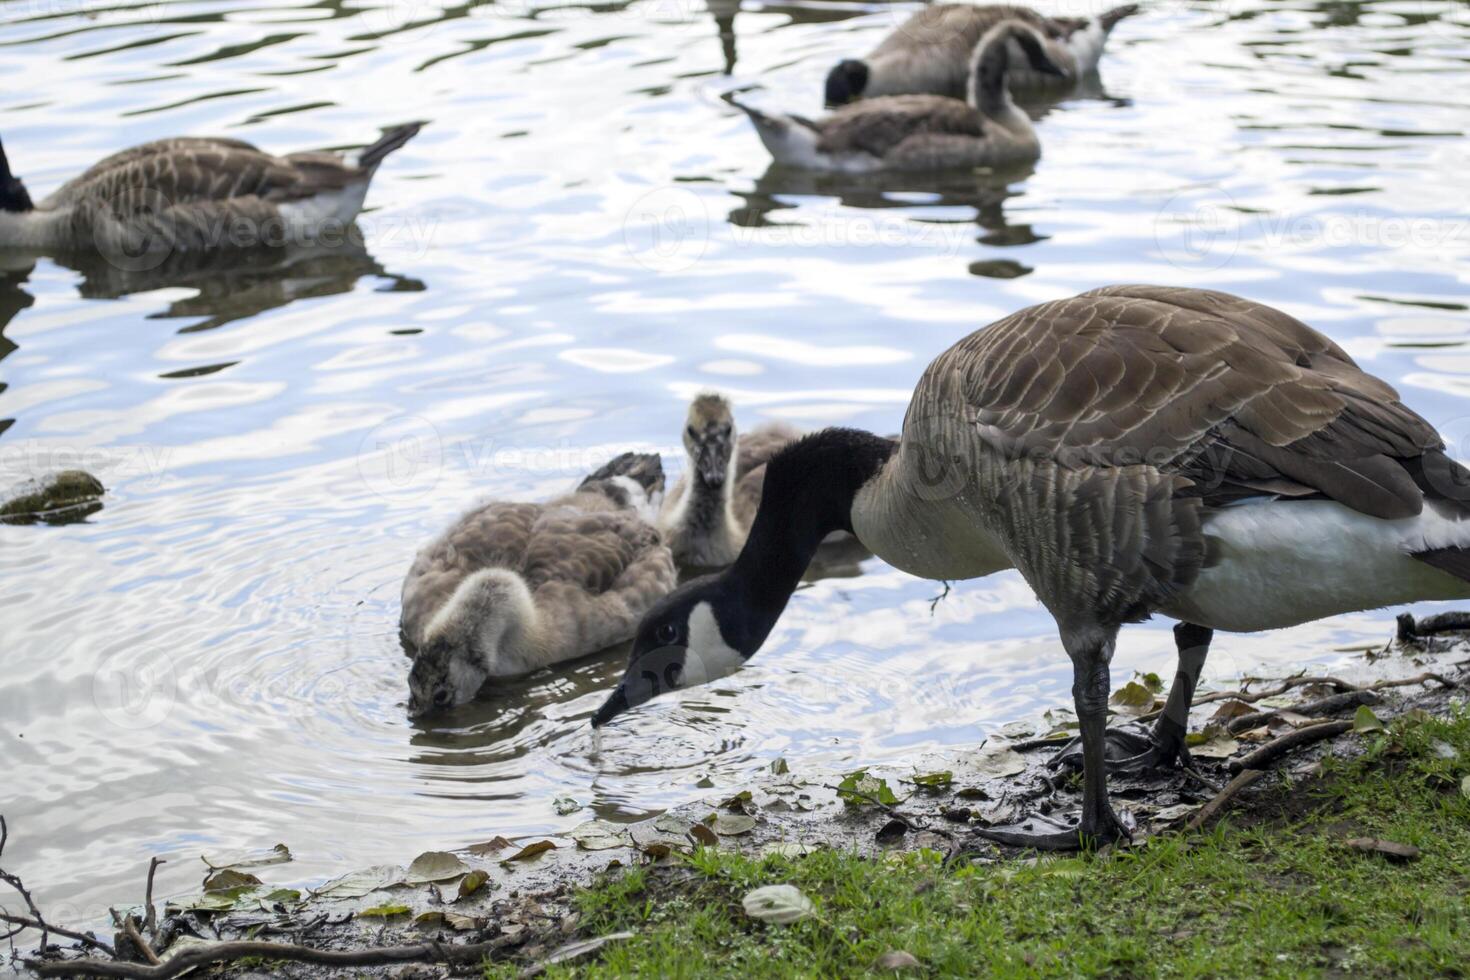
[1132,450]
[930,53]
[919,132]
[193,193]
[513,587]
[708,513]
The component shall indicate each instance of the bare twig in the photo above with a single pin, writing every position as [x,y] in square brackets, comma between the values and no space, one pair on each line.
[196,956]
[1207,812]
[14,881]
[1300,738]
[1410,629]
[1325,706]
[22,922]
[910,822]
[150,921]
[130,928]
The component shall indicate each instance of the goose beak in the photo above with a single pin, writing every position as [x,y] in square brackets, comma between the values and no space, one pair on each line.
[712,462]
[617,702]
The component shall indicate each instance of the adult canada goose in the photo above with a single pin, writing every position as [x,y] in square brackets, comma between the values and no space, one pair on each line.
[930,53]
[920,132]
[194,193]
[708,513]
[1132,450]
[513,587]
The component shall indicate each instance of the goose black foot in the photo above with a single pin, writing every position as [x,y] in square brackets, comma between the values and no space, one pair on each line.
[1131,751]
[1044,833]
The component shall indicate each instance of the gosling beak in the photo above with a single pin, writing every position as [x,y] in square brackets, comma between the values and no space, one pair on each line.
[712,462]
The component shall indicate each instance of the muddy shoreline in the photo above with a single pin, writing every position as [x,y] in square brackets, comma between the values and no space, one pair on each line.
[514,900]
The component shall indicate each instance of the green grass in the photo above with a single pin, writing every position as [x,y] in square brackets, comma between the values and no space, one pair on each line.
[1276,893]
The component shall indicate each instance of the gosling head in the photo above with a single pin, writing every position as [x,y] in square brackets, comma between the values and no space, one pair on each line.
[846,82]
[698,633]
[445,673]
[991,60]
[709,439]
[13,194]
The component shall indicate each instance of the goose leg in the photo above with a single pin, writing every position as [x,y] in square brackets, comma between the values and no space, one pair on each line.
[1132,750]
[1098,823]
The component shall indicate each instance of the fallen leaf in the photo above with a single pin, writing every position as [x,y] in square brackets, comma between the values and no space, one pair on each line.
[572,951]
[898,959]
[280,896]
[565,804]
[738,802]
[997,759]
[228,879]
[733,824]
[792,849]
[671,823]
[860,789]
[1152,681]
[972,793]
[472,883]
[1365,721]
[1231,708]
[434,866]
[360,883]
[1212,743]
[891,832]
[451,920]
[1133,698]
[779,767]
[1262,734]
[383,911]
[1389,849]
[279,854]
[656,849]
[1170,814]
[599,835]
[780,904]
[531,850]
[933,780]
[704,835]
[490,846]
[1016,729]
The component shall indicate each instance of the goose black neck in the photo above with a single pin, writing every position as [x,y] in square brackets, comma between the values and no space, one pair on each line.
[988,74]
[13,195]
[808,493]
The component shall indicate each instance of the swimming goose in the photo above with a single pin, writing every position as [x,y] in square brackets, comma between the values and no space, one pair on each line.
[920,132]
[194,193]
[930,53]
[708,513]
[513,587]
[1132,450]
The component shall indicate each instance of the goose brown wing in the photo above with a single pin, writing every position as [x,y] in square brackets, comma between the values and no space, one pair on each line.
[588,550]
[876,126]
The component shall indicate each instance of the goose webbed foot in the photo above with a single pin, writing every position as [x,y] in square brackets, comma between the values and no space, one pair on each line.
[1129,750]
[1094,828]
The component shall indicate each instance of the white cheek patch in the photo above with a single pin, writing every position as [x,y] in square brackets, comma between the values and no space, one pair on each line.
[708,656]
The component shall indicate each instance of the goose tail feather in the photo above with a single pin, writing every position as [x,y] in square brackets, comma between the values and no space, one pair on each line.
[1109,18]
[1453,561]
[370,156]
[788,137]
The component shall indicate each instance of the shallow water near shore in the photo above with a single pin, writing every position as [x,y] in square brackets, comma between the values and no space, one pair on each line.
[582,237]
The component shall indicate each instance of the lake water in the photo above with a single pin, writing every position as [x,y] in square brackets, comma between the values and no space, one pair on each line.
[582,237]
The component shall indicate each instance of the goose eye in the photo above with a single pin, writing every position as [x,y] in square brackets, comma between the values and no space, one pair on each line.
[692,433]
[666,634]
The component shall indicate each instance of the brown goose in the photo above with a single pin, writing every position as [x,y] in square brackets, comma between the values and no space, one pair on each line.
[513,587]
[1132,450]
[192,194]
[708,512]
[920,132]
[930,53]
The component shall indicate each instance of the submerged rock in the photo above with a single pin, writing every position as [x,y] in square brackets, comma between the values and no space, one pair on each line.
[56,498]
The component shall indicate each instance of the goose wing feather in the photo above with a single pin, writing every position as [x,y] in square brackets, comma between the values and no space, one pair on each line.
[1104,424]
[876,126]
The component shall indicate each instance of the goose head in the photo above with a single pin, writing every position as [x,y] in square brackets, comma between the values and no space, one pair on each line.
[13,194]
[991,60]
[709,439]
[698,633]
[846,82]
[445,673]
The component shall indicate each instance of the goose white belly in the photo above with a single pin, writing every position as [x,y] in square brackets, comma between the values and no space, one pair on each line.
[1284,562]
[333,210]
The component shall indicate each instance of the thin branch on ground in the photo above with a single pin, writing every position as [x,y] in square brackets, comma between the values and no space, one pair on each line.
[1207,812]
[1300,738]
[150,921]
[911,823]
[130,928]
[23,923]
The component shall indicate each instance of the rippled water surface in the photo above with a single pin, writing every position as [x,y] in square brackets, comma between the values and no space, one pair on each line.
[582,237]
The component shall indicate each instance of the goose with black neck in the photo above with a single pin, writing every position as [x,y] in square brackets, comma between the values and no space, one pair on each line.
[1131,451]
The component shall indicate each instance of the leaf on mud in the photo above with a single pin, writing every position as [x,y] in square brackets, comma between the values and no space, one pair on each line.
[933,780]
[220,901]
[672,823]
[655,849]
[1016,729]
[280,896]
[360,883]
[435,866]
[1152,681]
[972,793]
[1212,743]
[228,879]
[565,805]
[703,835]
[859,789]
[599,835]
[1365,721]
[452,920]
[490,846]
[279,854]
[383,911]
[472,883]
[1262,734]
[1133,698]
[531,850]
[1389,849]
[780,904]
[791,849]
[891,832]
[998,759]
[1231,708]
[740,802]
[1171,814]
[733,824]
[779,767]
